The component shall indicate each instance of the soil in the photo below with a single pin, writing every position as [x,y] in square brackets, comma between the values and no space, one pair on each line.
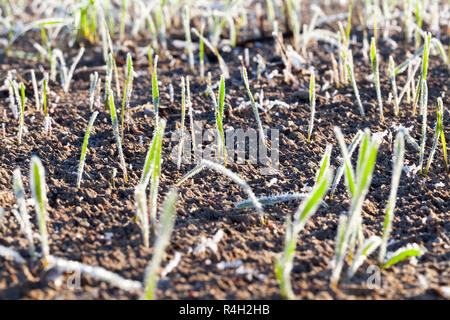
[95,225]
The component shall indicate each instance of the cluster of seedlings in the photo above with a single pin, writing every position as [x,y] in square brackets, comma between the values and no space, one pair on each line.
[106,22]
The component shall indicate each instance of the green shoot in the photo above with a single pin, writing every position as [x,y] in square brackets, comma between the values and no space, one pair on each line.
[367,248]
[36,90]
[84,148]
[424,70]
[21,111]
[108,78]
[230,174]
[254,106]
[219,109]
[127,92]
[142,212]
[122,20]
[439,130]
[308,207]
[358,181]
[164,232]
[183,116]
[351,148]
[349,66]
[202,53]
[190,111]
[410,250]
[37,185]
[92,90]
[376,76]
[394,85]
[399,151]
[99,273]
[423,138]
[152,169]
[312,103]
[115,126]
[155,91]
[223,66]
[187,34]
[21,203]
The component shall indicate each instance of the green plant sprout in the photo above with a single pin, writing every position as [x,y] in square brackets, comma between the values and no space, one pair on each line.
[376,75]
[410,250]
[351,148]
[439,130]
[127,92]
[230,174]
[36,91]
[366,249]
[155,90]
[84,148]
[394,85]
[187,34]
[183,116]
[92,90]
[223,66]
[308,207]
[254,106]
[115,126]
[312,103]
[423,108]
[399,151]
[358,182]
[349,66]
[164,232]
[423,75]
[25,217]
[108,78]
[152,169]
[142,212]
[219,109]
[191,112]
[37,185]
[202,53]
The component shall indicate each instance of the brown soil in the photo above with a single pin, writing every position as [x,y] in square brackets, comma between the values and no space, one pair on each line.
[95,225]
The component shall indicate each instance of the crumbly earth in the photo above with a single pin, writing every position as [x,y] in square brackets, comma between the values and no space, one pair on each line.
[95,224]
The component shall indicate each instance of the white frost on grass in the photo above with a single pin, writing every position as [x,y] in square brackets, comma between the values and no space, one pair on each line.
[210,243]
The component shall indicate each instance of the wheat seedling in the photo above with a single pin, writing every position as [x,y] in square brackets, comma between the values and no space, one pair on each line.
[21,203]
[394,85]
[155,90]
[366,249]
[84,148]
[410,250]
[399,151]
[37,185]
[202,53]
[115,126]
[423,75]
[11,254]
[219,109]
[308,207]
[349,67]
[21,112]
[183,115]
[423,105]
[142,212]
[127,92]
[36,90]
[351,148]
[358,182]
[187,34]
[164,232]
[98,273]
[152,169]
[312,103]
[376,75]
[92,90]
[191,112]
[254,106]
[230,174]
[439,130]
